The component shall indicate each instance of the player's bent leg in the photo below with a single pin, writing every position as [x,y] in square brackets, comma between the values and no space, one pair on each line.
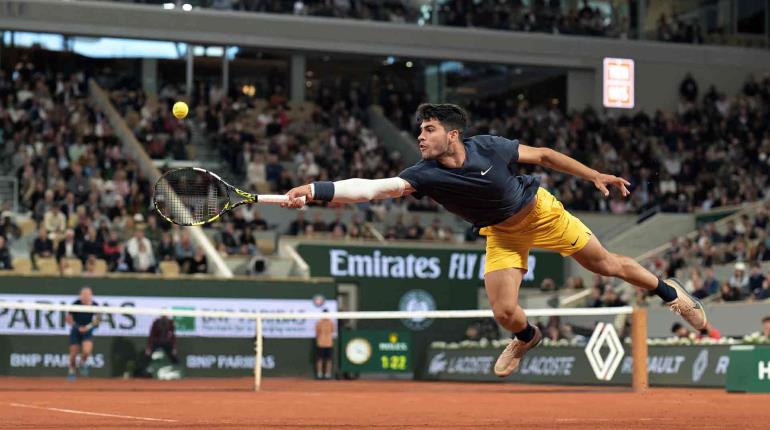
[88,347]
[74,350]
[503,292]
[597,259]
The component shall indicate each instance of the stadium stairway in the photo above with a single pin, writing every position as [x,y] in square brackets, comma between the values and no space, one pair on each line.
[134,149]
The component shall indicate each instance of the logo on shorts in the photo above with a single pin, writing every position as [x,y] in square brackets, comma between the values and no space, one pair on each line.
[417,300]
[484,172]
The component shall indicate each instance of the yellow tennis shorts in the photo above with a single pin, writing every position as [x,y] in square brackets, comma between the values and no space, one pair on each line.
[547,226]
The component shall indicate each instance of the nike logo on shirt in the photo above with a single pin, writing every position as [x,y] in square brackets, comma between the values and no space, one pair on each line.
[484,172]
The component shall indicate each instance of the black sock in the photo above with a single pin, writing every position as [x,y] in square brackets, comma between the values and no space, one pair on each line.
[526,334]
[665,291]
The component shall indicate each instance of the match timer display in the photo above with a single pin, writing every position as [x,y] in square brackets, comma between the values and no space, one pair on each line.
[376,351]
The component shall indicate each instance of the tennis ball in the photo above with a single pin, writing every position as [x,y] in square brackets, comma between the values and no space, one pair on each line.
[180,110]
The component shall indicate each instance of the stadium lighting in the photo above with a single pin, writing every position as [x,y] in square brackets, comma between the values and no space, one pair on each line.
[168,6]
[187,7]
[409,64]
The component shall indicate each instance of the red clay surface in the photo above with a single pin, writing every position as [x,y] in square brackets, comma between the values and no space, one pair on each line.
[47,403]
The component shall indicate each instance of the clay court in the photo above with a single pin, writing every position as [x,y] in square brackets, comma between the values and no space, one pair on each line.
[296,403]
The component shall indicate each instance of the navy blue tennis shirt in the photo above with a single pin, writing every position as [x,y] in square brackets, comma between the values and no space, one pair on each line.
[486,190]
[83,318]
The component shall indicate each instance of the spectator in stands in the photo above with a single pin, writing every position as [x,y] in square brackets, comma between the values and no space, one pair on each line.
[708,286]
[198,264]
[319,225]
[8,229]
[152,231]
[68,247]
[5,256]
[740,279]
[166,250]
[729,293]
[680,331]
[44,205]
[415,229]
[111,251]
[90,246]
[683,332]
[337,222]
[611,299]
[89,268]
[297,226]
[595,300]
[138,239]
[764,292]
[688,89]
[258,222]
[548,284]
[42,246]
[54,221]
[756,279]
[185,251]
[228,242]
[142,257]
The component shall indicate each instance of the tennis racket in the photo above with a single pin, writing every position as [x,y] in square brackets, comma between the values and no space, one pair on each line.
[192,196]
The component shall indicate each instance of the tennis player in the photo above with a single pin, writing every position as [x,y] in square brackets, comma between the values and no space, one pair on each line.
[81,333]
[476,178]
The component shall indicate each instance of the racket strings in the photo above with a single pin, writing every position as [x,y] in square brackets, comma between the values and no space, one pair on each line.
[190,196]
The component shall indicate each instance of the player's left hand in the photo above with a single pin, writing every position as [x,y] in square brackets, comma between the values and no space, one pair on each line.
[83,329]
[602,181]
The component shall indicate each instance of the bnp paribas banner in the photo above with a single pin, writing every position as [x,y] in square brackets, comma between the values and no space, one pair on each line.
[703,366]
[427,264]
[113,356]
[32,322]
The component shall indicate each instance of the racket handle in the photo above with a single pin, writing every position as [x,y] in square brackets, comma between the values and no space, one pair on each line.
[274,198]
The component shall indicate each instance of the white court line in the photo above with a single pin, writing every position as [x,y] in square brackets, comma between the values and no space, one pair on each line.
[98,414]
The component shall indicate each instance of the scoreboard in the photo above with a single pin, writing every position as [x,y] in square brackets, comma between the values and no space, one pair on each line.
[376,351]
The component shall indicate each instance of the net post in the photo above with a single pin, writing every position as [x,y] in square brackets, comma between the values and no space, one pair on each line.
[258,353]
[639,375]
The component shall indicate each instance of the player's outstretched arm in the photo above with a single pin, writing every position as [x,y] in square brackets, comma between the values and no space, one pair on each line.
[547,157]
[349,191]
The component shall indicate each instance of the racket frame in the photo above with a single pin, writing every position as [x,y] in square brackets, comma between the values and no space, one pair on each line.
[248,198]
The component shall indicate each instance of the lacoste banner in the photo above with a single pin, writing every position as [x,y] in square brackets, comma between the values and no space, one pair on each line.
[20,321]
[701,366]
[424,264]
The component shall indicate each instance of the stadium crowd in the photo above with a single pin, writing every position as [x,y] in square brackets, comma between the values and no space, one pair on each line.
[579,18]
[664,155]
[745,244]
[88,199]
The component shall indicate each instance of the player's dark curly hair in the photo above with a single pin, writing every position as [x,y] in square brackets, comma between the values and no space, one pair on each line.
[451,117]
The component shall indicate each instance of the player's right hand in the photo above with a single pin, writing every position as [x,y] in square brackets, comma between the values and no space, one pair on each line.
[83,329]
[294,197]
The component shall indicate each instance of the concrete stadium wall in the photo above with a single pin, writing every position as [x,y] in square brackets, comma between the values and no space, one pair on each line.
[659,66]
